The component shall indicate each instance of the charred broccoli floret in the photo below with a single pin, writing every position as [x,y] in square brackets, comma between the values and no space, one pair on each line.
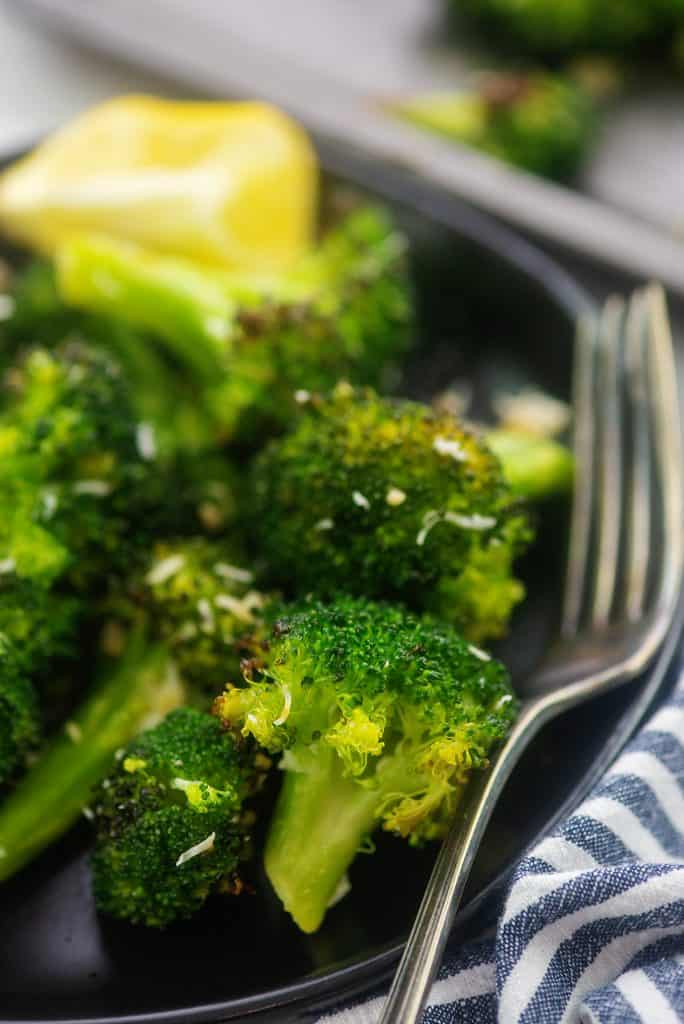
[390,499]
[539,121]
[19,714]
[557,27]
[136,692]
[162,396]
[171,636]
[169,818]
[381,717]
[74,470]
[201,596]
[251,342]
[72,481]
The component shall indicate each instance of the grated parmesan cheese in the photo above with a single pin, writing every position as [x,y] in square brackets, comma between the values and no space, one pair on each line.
[204,847]
[164,570]
[233,572]
[451,447]
[324,524]
[96,488]
[482,655]
[395,496]
[146,441]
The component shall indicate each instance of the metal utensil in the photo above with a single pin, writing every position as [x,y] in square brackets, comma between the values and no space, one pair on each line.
[623,579]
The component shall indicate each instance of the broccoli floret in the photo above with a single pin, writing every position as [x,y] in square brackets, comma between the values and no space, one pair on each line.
[170,635]
[19,716]
[382,717]
[202,597]
[161,394]
[73,473]
[132,695]
[170,827]
[252,342]
[538,121]
[390,499]
[555,27]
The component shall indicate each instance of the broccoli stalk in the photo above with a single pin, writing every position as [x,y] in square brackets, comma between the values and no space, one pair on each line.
[320,823]
[250,342]
[535,467]
[135,694]
[381,717]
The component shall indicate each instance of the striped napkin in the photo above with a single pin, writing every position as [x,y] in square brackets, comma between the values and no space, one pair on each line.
[591,930]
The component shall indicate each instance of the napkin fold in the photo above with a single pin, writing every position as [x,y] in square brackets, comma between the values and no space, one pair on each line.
[591,929]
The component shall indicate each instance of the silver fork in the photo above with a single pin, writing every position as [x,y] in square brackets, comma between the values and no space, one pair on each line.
[623,580]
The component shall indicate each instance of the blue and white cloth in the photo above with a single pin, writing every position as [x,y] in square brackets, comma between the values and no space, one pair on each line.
[591,930]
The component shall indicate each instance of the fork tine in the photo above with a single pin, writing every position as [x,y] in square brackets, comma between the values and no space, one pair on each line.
[610,475]
[664,399]
[638,544]
[584,447]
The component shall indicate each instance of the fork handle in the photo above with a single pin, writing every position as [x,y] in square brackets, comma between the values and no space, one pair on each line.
[423,951]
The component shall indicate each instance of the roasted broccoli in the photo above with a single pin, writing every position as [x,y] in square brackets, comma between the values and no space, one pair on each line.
[390,499]
[535,467]
[538,121]
[201,597]
[170,635]
[170,823]
[133,694]
[72,485]
[19,713]
[382,716]
[74,469]
[162,396]
[555,27]
[252,342]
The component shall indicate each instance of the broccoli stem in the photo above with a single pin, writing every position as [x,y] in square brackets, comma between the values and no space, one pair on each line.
[184,304]
[320,821]
[535,467]
[52,794]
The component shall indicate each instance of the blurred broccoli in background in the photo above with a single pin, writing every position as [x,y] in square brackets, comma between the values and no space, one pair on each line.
[251,342]
[390,499]
[170,823]
[558,27]
[538,121]
[381,717]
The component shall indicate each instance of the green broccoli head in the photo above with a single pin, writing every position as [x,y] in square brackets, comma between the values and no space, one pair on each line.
[381,717]
[19,717]
[247,342]
[391,499]
[538,121]
[163,397]
[170,822]
[74,468]
[202,598]
[557,27]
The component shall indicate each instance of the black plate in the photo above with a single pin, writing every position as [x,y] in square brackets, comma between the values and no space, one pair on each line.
[492,310]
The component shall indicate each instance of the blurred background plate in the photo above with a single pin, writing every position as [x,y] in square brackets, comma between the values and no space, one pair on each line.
[328,61]
[60,962]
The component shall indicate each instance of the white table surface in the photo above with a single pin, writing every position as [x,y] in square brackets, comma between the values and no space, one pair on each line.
[44,79]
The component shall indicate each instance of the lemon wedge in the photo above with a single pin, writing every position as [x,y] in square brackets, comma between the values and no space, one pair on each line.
[229,184]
